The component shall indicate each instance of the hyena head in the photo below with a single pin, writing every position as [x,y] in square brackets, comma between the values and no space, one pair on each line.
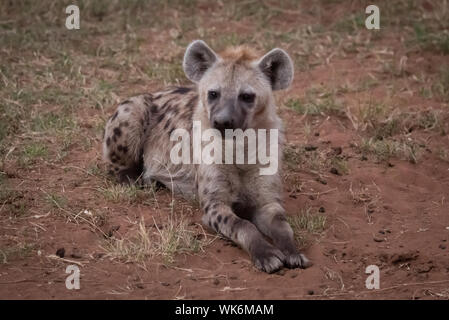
[236,86]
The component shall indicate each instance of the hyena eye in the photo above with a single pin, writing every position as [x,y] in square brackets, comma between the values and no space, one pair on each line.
[212,95]
[247,97]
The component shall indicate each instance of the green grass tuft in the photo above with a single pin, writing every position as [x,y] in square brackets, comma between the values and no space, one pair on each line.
[32,152]
[306,225]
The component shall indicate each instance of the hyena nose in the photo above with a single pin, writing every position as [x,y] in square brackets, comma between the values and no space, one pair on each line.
[223,123]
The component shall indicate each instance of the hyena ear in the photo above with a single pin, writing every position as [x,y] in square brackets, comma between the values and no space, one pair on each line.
[197,59]
[278,68]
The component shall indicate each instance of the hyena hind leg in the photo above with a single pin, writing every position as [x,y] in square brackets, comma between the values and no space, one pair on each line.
[124,138]
[271,221]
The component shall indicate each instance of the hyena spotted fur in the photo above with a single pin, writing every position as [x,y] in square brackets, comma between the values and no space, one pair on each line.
[232,90]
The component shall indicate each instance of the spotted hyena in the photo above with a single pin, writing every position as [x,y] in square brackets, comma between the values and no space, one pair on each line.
[232,90]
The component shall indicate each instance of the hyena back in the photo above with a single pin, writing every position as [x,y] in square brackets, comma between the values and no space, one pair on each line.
[233,90]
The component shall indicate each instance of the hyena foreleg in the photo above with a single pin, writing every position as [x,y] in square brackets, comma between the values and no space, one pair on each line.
[222,219]
[216,195]
[271,221]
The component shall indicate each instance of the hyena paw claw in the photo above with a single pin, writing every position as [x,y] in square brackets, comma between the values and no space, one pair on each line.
[297,260]
[268,259]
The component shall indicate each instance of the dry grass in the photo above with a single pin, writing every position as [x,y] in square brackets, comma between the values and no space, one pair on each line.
[307,226]
[94,219]
[176,237]
[299,158]
[13,203]
[366,195]
[316,104]
[389,132]
[340,164]
[16,251]
[125,193]
[314,160]
[384,150]
[136,249]
[167,240]
[443,154]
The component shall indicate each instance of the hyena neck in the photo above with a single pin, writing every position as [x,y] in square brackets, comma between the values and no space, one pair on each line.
[267,119]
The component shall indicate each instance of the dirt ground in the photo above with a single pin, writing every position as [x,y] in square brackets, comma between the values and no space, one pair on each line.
[366,167]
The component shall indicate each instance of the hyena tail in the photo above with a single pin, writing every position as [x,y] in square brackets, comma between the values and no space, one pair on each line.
[124,139]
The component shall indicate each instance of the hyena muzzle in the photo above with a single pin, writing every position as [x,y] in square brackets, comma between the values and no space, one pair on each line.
[233,90]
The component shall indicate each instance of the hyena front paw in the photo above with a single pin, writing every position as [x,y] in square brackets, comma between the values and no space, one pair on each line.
[266,257]
[297,260]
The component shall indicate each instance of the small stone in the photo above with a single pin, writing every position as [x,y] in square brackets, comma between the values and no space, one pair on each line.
[310,292]
[111,231]
[322,209]
[60,252]
[310,148]
[281,272]
[98,255]
[442,246]
[404,257]
[165,284]
[377,239]
[335,171]
[311,197]
[216,282]
[337,150]
[424,268]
